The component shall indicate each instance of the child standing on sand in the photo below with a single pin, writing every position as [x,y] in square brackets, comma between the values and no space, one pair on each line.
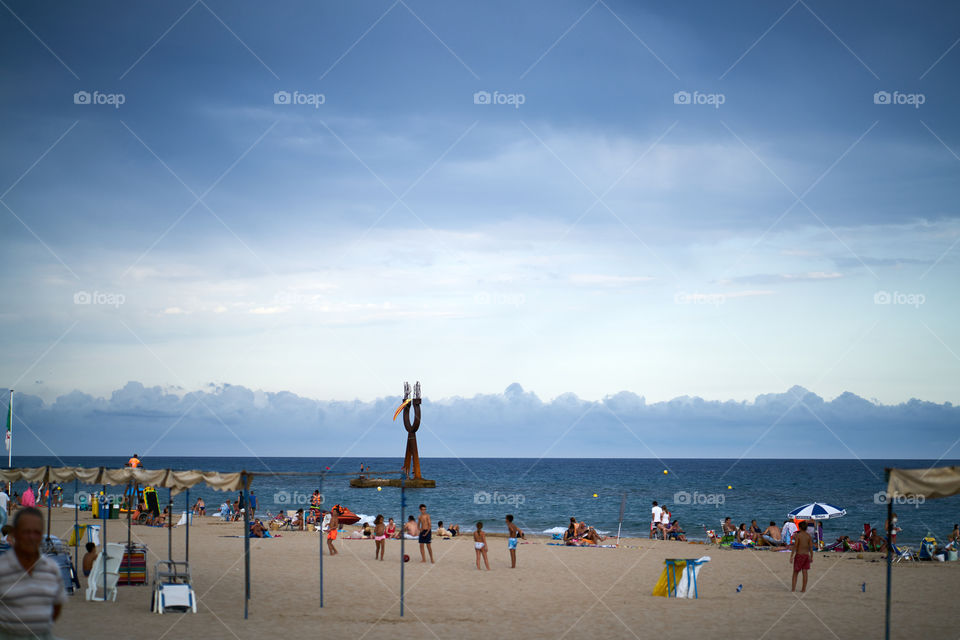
[379,537]
[480,544]
[512,540]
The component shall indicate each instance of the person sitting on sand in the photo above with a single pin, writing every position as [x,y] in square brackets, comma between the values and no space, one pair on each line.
[392,529]
[741,533]
[771,535]
[297,521]
[454,530]
[582,529]
[367,530]
[592,537]
[676,533]
[728,526]
[256,529]
[570,535]
[876,542]
[787,531]
[754,531]
[954,535]
[443,533]
[411,530]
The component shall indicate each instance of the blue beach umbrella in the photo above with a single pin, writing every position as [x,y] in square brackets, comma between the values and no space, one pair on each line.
[817,511]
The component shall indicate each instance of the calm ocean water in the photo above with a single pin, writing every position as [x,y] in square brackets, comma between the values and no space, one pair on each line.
[543,494]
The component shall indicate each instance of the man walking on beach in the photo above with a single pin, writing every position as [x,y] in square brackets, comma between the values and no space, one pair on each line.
[656,515]
[801,555]
[31,588]
[332,531]
[426,534]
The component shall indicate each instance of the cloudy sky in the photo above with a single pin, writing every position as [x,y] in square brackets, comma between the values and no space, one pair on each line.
[329,198]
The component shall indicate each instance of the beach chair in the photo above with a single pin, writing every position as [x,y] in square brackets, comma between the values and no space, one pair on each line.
[901,553]
[172,588]
[113,553]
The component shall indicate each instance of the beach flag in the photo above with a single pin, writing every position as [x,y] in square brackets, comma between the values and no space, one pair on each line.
[9,436]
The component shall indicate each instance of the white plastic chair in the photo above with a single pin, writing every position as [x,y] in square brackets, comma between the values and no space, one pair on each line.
[113,554]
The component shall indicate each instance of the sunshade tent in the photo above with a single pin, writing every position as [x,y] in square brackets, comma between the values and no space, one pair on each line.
[178,481]
[932,483]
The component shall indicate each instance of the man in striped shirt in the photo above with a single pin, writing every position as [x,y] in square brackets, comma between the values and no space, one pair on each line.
[31,588]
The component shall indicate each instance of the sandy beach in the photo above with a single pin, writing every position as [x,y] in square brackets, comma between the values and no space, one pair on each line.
[554,592]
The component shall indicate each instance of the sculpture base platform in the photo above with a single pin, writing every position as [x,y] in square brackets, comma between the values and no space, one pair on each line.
[411,483]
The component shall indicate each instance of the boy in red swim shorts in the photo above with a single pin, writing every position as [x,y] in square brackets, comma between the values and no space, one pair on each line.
[801,555]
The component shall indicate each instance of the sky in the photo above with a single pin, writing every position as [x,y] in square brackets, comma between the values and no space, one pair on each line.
[320,200]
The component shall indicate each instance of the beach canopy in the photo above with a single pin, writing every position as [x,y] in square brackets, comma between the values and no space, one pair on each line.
[936,482]
[176,481]
[817,511]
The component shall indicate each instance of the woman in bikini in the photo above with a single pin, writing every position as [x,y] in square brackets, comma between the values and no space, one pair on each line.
[392,529]
[379,537]
[480,544]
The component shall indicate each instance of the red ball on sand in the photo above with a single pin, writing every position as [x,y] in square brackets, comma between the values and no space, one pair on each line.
[406,558]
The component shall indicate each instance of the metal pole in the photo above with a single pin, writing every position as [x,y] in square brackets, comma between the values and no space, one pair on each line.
[322,536]
[246,545]
[103,541]
[889,561]
[170,525]
[403,534]
[187,552]
[130,502]
[49,498]
[76,523]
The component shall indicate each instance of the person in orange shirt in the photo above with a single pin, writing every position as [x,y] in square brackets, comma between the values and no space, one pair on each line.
[134,461]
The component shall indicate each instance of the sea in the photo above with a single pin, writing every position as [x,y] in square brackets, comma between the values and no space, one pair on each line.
[543,494]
